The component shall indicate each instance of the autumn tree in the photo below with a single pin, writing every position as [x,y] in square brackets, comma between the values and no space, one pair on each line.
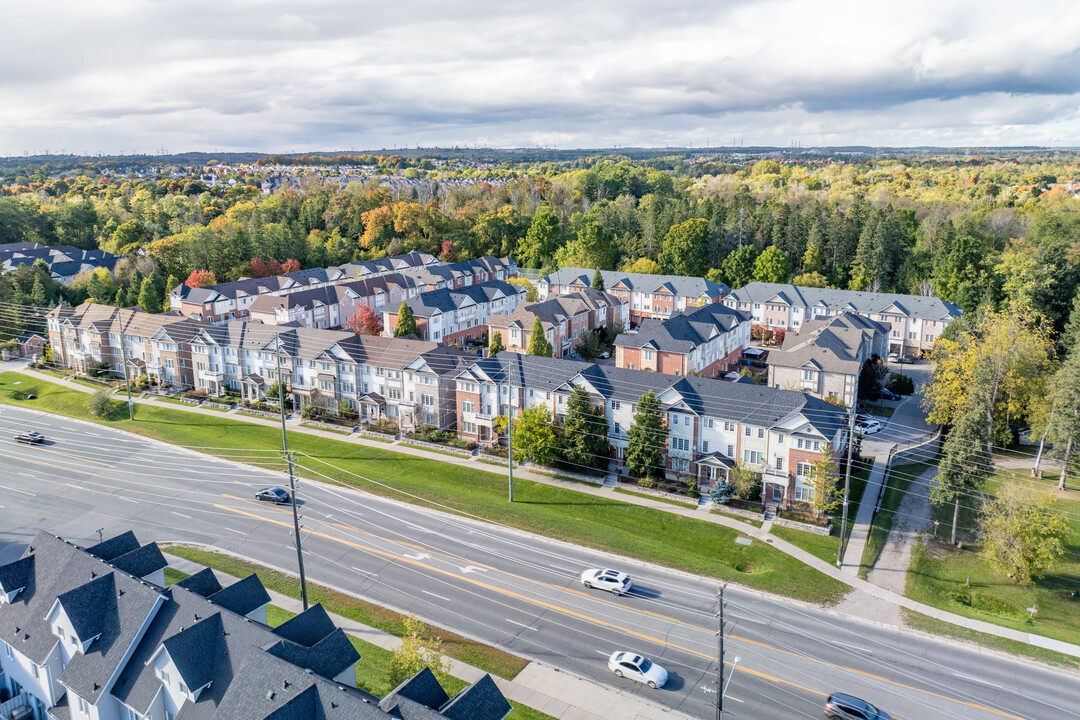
[642,265]
[406,323]
[365,321]
[200,278]
[531,293]
[647,439]
[1023,531]
[418,650]
[538,344]
[1063,418]
[824,476]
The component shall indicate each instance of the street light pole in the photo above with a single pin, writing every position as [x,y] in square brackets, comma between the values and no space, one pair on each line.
[847,487]
[720,654]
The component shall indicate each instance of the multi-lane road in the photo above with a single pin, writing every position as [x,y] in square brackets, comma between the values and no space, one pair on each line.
[507,588]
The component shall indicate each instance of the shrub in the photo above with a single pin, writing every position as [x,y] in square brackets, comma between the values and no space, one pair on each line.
[386,427]
[309,412]
[721,492]
[647,482]
[99,402]
[902,384]
[691,487]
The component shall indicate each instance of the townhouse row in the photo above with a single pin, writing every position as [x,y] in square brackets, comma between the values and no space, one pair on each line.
[565,320]
[646,296]
[93,634]
[318,304]
[914,322]
[708,341]
[712,424]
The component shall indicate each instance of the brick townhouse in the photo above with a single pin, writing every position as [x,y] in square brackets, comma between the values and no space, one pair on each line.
[451,316]
[647,296]
[93,634]
[712,424]
[914,321]
[707,341]
[566,319]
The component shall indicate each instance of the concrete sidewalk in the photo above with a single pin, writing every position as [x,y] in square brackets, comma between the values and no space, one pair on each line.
[868,594]
[539,686]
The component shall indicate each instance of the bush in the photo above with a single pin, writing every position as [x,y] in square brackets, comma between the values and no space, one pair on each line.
[386,427]
[310,412]
[691,487]
[99,402]
[721,492]
[902,384]
[647,482]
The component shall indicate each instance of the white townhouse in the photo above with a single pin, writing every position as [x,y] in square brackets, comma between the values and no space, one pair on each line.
[457,316]
[914,321]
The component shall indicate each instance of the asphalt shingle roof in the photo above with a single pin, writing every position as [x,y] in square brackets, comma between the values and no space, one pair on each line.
[640,282]
[243,596]
[203,583]
[684,331]
[142,561]
[927,307]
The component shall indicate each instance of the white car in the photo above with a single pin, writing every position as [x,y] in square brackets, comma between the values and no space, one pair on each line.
[636,667]
[868,428]
[894,357]
[611,580]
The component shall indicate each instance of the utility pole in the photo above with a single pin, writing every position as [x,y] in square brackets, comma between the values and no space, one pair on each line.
[510,436]
[292,475]
[720,654]
[847,486]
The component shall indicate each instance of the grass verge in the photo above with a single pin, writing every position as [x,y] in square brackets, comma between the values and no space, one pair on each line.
[326,429]
[1013,647]
[898,484]
[740,518]
[558,512]
[489,659]
[657,498]
[433,450]
[823,547]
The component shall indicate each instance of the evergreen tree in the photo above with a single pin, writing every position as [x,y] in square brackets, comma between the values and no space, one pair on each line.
[1063,429]
[1070,336]
[133,289]
[538,344]
[406,323]
[738,267]
[118,301]
[149,298]
[597,280]
[496,345]
[647,439]
[965,462]
[584,432]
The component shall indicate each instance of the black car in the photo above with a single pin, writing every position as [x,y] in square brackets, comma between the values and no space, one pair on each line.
[274,495]
[31,438]
[849,707]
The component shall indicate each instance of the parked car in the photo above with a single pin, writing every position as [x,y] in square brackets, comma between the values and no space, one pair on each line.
[887,394]
[849,707]
[868,428]
[274,495]
[31,438]
[636,667]
[612,580]
[894,357]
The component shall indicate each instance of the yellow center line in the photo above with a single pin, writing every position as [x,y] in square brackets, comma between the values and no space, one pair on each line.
[47,464]
[605,623]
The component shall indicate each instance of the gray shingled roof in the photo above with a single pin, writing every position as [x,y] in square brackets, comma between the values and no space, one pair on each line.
[830,344]
[307,628]
[203,583]
[88,606]
[141,562]
[329,657]
[930,308]
[14,576]
[114,546]
[641,282]
[684,331]
[480,701]
[243,596]
[446,300]
[194,651]
[422,688]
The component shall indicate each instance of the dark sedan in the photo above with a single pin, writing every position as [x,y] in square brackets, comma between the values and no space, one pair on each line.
[274,495]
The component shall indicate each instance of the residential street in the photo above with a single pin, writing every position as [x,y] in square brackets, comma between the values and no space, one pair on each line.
[505,587]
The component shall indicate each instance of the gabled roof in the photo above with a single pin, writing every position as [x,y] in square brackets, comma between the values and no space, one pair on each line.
[88,606]
[194,651]
[422,688]
[684,331]
[307,628]
[142,561]
[925,307]
[329,657]
[14,576]
[681,285]
[243,596]
[203,583]
[114,546]
[480,701]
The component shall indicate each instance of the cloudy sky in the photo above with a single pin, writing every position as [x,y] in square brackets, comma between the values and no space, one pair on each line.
[268,75]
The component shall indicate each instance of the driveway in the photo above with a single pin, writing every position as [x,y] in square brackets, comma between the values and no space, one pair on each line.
[908,422]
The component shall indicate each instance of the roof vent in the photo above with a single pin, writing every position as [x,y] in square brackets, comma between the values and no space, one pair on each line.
[270,695]
[120,593]
[285,685]
[93,574]
[308,671]
[96,687]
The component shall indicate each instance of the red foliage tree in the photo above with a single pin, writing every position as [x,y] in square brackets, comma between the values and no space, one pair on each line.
[201,278]
[448,250]
[365,322]
[257,268]
[778,335]
[291,265]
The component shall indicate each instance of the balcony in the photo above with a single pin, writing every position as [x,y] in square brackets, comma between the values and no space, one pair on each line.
[212,375]
[772,472]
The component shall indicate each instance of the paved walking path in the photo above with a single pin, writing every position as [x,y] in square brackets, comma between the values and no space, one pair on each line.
[868,594]
[539,686]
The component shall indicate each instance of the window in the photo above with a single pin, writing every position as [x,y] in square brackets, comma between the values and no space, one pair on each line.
[804,471]
[680,464]
[326,385]
[761,433]
[752,456]
[704,446]
[808,374]
[7,650]
[729,426]
[747,432]
[34,671]
[470,427]
[615,405]
[680,443]
[731,451]
[779,463]
[393,394]
[164,675]
[427,400]
[468,407]
[707,422]
[686,420]
[84,707]
[618,429]
[780,438]
[817,444]
[798,443]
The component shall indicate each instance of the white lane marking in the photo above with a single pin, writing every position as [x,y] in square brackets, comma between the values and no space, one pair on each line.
[527,627]
[121,497]
[472,568]
[23,492]
[77,487]
[180,514]
[729,697]
[417,556]
[94,434]
[446,599]
[851,647]
[740,618]
[365,572]
[978,680]
[3,507]
[238,532]
[26,474]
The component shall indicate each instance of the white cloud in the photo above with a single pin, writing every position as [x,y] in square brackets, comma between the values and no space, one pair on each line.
[337,74]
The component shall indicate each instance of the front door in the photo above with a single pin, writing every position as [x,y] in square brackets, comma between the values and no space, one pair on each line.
[777,493]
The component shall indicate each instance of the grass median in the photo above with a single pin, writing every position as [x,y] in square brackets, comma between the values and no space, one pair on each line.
[373,670]
[650,534]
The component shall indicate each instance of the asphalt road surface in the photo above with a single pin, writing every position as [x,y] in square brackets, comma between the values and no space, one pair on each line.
[508,588]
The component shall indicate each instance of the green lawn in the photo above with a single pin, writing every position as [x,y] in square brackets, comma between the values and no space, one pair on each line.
[939,574]
[879,410]
[827,547]
[740,518]
[658,498]
[558,512]
[492,660]
[824,547]
[898,483]
[413,446]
